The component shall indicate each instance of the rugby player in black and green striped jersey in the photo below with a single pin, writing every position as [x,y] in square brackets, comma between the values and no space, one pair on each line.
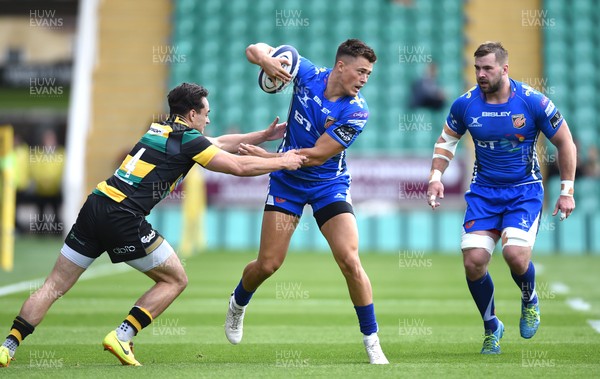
[113,219]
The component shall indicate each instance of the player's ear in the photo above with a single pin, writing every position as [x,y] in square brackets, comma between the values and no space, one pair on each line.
[191,114]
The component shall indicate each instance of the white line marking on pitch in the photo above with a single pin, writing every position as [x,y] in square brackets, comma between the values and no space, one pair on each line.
[92,273]
[595,324]
[579,304]
[559,288]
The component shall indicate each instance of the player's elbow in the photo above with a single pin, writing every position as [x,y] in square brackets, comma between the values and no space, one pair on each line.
[250,52]
[217,142]
[253,52]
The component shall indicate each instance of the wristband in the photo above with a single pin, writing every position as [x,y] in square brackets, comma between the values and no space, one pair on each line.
[436,176]
[566,188]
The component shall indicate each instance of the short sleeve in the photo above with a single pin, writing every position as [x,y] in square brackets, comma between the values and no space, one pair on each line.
[351,124]
[198,147]
[548,117]
[306,71]
[455,119]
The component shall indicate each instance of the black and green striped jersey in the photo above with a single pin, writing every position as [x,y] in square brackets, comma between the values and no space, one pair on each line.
[157,164]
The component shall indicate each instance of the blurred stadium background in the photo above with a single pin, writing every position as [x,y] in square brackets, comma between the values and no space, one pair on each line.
[95,73]
[80,82]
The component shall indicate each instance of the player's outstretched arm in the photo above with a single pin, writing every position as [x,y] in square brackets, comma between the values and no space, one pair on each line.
[567,163]
[256,151]
[325,148]
[253,166]
[231,142]
[443,153]
[258,54]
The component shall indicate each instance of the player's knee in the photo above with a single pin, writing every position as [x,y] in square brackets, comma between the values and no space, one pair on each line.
[474,268]
[182,281]
[176,280]
[516,248]
[350,266]
[269,267]
[476,255]
[517,258]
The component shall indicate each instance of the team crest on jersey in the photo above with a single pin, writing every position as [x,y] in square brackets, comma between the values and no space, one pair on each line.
[329,121]
[358,101]
[518,120]
[528,90]
[467,94]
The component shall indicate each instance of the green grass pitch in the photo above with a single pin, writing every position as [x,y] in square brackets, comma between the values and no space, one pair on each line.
[301,322]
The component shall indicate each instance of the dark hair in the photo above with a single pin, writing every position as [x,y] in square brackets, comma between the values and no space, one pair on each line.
[492,47]
[185,97]
[355,48]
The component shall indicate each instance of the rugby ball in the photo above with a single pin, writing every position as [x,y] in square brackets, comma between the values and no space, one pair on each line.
[283,51]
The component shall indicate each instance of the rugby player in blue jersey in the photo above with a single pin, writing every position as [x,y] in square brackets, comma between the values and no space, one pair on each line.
[504,117]
[326,115]
[113,218]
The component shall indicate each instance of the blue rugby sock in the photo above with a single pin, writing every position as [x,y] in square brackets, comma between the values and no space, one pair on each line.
[366,319]
[482,291]
[241,296]
[526,283]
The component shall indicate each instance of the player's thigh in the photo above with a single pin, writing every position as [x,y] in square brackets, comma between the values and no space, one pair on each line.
[522,218]
[278,226]
[283,208]
[164,264]
[64,275]
[341,233]
[517,258]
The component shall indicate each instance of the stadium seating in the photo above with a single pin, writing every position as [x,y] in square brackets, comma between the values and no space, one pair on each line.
[571,58]
[213,35]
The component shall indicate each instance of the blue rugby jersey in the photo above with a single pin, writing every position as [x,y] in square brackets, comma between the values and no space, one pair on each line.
[505,135]
[311,115]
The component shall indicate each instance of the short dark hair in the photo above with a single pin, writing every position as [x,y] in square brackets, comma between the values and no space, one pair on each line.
[490,47]
[355,48]
[185,97]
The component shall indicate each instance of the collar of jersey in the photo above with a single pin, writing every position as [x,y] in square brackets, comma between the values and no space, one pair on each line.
[177,122]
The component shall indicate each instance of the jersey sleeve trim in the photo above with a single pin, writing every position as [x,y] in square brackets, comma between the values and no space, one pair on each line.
[205,156]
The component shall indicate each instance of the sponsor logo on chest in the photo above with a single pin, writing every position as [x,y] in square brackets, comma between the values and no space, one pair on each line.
[495,114]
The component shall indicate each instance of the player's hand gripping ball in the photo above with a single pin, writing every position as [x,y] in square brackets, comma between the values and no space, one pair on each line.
[283,51]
